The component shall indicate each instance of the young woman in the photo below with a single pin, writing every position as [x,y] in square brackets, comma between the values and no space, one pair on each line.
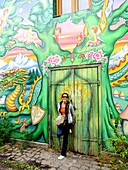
[66,108]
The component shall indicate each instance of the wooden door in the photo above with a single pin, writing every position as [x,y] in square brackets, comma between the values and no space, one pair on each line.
[82,85]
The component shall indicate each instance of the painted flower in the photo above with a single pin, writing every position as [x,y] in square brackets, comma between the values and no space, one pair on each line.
[64,58]
[72,55]
[97,55]
[45,66]
[89,54]
[81,55]
[54,60]
[105,60]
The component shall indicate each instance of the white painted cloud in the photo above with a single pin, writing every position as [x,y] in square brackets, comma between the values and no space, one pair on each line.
[2,63]
[2,99]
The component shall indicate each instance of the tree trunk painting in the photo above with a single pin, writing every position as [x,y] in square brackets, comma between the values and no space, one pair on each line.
[49,53]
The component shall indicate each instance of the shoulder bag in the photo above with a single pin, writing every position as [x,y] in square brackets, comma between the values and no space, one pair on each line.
[60,120]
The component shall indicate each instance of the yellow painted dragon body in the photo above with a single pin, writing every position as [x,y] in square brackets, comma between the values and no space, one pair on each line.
[15,101]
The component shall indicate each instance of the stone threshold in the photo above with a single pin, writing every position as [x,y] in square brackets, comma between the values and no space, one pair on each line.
[31,143]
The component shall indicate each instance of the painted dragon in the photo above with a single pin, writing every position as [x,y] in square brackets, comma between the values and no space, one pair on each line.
[15,101]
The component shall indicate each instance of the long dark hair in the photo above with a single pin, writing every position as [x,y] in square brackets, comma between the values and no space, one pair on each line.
[66,107]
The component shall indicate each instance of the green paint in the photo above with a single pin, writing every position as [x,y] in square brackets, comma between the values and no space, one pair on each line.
[45,27]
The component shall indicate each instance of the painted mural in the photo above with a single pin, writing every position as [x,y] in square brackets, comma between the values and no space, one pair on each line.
[20,73]
[31,41]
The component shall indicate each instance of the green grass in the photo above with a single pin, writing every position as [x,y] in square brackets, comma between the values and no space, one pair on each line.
[19,165]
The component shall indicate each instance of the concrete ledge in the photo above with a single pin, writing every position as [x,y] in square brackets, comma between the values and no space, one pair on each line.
[31,143]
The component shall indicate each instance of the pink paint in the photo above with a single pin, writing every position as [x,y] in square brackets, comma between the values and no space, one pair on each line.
[121,22]
[12,53]
[125,37]
[54,60]
[70,31]
[117,3]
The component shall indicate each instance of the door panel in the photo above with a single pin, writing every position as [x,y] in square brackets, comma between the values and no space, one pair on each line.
[58,81]
[82,86]
[88,133]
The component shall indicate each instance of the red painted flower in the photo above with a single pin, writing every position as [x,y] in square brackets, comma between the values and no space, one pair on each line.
[64,58]
[81,55]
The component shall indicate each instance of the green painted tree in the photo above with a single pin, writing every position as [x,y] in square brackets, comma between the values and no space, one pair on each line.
[108,38]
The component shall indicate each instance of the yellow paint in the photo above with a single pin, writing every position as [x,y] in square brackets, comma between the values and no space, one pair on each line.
[103,20]
[8,59]
[3,114]
[25,104]
[119,45]
[72,59]
[117,82]
[17,121]
[10,100]
[79,87]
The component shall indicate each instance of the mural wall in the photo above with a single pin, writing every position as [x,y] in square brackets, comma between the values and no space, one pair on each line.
[31,40]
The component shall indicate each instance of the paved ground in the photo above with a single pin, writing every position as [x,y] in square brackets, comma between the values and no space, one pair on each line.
[46,159]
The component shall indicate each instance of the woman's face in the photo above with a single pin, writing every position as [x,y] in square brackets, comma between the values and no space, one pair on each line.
[64,98]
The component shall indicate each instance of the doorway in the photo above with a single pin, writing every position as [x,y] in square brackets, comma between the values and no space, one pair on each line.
[82,83]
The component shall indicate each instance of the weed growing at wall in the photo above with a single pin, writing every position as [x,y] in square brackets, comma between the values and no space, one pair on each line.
[112,160]
[5,131]
[120,146]
[117,158]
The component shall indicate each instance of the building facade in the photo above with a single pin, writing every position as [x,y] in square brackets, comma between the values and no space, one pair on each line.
[47,48]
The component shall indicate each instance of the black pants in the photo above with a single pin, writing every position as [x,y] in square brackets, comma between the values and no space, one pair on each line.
[65,130]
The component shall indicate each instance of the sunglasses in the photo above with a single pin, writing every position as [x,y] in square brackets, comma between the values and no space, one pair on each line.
[64,96]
